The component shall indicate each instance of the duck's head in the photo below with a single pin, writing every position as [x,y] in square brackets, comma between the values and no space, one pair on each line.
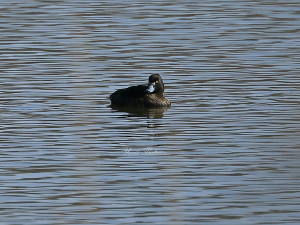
[155,85]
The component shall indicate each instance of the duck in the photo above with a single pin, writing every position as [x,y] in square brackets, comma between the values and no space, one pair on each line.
[151,95]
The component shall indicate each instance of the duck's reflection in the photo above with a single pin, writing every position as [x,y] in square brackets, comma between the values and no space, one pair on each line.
[152,113]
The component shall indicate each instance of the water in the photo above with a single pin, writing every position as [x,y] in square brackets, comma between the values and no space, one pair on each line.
[226,152]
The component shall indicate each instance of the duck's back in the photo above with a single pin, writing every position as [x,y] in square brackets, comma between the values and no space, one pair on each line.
[131,96]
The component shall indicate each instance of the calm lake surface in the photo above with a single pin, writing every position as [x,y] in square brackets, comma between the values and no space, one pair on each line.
[226,152]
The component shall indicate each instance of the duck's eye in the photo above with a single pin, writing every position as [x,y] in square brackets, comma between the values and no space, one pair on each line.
[156,81]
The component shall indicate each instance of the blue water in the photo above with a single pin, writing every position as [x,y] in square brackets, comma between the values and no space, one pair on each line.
[226,152]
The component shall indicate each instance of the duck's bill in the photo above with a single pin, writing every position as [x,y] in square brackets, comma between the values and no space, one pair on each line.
[150,88]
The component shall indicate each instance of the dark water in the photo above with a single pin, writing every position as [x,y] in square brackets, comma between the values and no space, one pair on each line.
[226,152]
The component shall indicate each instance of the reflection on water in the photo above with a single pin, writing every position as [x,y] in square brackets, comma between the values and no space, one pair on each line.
[151,113]
[226,152]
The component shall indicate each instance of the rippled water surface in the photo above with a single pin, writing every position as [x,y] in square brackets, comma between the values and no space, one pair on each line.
[226,152]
